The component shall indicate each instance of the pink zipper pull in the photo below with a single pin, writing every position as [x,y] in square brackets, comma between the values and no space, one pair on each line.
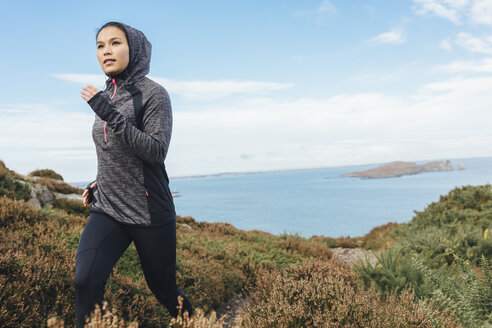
[115,87]
[146,193]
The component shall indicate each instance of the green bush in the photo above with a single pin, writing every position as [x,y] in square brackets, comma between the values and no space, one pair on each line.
[46,174]
[72,207]
[456,224]
[393,273]
[467,293]
[12,188]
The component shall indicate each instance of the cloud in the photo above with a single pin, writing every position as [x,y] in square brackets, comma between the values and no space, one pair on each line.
[203,90]
[392,37]
[449,9]
[483,66]
[474,44]
[220,88]
[38,136]
[446,119]
[94,79]
[324,9]
[481,12]
[477,11]
[446,45]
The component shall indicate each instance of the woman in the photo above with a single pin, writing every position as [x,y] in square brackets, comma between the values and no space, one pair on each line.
[130,197]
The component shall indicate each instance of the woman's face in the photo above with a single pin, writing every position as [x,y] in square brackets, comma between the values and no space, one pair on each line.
[113,52]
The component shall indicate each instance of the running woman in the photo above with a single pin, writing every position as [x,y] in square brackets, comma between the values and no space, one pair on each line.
[131,199]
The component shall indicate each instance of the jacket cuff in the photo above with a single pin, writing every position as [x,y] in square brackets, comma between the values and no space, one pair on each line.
[101,104]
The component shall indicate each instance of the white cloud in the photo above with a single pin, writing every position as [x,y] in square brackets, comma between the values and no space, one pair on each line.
[262,133]
[326,7]
[474,44]
[477,11]
[483,66]
[97,80]
[219,88]
[392,37]
[445,44]
[194,89]
[37,136]
[481,12]
[449,9]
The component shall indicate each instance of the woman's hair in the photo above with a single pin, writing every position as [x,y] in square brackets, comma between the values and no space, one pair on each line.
[116,24]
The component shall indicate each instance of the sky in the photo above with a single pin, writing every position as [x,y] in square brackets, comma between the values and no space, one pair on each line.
[257,85]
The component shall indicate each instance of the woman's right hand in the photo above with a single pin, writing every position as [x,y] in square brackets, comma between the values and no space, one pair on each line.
[86,194]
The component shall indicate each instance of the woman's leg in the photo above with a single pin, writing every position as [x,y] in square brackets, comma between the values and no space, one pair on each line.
[101,244]
[156,248]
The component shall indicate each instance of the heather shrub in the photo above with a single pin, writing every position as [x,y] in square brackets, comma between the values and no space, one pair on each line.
[17,214]
[35,271]
[215,262]
[61,187]
[107,319]
[327,294]
[73,207]
[47,173]
[12,188]
[344,241]
[380,237]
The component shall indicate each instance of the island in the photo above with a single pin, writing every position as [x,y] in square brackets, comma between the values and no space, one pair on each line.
[398,169]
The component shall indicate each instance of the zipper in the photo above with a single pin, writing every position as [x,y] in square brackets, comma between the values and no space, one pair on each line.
[115,87]
[146,193]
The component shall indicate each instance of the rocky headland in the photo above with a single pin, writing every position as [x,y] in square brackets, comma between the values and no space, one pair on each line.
[398,169]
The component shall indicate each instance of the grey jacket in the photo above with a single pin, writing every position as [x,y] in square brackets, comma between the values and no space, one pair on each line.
[132,182]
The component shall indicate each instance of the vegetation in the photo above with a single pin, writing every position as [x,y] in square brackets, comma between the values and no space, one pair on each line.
[327,294]
[447,241]
[431,272]
[56,186]
[10,187]
[46,174]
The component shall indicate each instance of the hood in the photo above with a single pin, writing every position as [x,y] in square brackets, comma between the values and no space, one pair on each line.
[139,62]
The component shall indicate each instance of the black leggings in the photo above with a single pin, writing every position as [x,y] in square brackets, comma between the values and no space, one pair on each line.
[102,243]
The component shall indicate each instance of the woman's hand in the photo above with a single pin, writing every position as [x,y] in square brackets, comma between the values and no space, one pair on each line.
[89,92]
[86,194]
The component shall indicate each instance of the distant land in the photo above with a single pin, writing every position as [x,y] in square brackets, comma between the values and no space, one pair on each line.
[82,184]
[398,169]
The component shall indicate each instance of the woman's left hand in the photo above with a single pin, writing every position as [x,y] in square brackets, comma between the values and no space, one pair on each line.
[89,92]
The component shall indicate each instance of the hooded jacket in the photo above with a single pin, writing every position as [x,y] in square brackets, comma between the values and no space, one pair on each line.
[132,183]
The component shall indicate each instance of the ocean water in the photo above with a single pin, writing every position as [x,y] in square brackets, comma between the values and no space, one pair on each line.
[319,201]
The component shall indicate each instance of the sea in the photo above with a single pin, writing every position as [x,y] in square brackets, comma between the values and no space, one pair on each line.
[318,201]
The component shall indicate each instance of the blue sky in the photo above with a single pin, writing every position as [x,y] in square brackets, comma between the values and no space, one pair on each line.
[258,85]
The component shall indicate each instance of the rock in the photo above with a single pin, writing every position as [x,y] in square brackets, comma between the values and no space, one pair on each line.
[75,197]
[41,195]
[354,255]
[185,225]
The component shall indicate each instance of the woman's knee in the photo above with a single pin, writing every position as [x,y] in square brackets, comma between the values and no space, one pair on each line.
[84,273]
